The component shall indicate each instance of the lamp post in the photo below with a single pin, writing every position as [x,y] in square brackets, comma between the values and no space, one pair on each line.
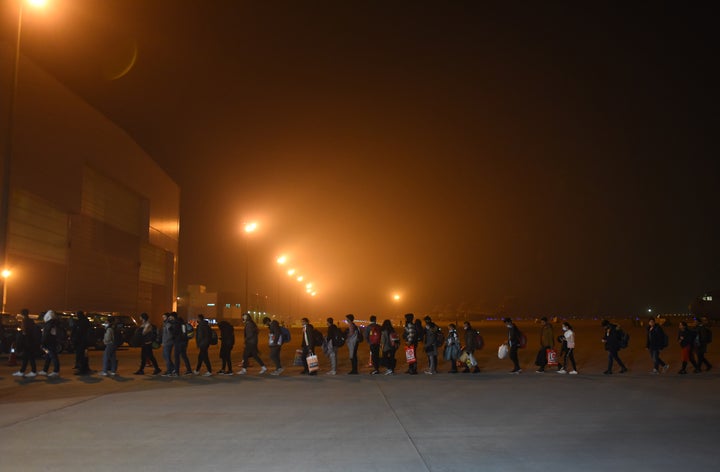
[249,228]
[5,274]
[9,132]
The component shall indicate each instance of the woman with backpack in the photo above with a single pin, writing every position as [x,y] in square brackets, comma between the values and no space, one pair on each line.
[452,348]
[389,342]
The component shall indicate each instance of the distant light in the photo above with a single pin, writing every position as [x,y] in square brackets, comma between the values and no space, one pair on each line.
[300,278]
[291,272]
[313,294]
[37,3]
[250,227]
[6,273]
[396,297]
[210,304]
[308,285]
[282,260]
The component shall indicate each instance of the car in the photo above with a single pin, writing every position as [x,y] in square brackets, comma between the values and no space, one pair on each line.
[9,328]
[126,324]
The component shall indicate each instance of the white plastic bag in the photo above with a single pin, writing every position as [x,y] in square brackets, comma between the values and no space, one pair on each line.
[502,351]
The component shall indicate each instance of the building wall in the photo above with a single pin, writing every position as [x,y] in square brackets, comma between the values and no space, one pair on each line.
[92,215]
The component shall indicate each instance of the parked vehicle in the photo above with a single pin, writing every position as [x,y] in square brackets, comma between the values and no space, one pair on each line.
[9,328]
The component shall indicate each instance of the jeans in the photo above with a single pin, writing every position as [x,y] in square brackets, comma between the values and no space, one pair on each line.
[167,355]
[28,356]
[251,350]
[613,355]
[181,352]
[52,356]
[332,355]
[110,362]
[513,353]
[655,356]
[389,359]
[569,354]
[225,357]
[146,354]
[204,358]
[275,356]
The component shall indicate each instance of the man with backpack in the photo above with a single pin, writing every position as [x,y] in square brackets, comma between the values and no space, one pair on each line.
[333,340]
[657,340]
[353,338]
[514,339]
[182,329]
[149,335]
[372,333]
[167,339]
[703,338]
[203,335]
[251,345]
[612,342]
[431,345]
[471,337]
[275,342]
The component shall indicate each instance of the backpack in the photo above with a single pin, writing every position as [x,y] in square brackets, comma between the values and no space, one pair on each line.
[284,335]
[522,340]
[213,337]
[318,338]
[394,339]
[188,330]
[479,341]
[665,340]
[704,335]
[623,337]
[359,335]
[374,337]
[419,331]
[339,339]
[118,337]
[439,337]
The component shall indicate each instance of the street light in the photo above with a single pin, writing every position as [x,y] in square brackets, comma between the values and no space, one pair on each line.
[5,274]
[7,161]
[249,228]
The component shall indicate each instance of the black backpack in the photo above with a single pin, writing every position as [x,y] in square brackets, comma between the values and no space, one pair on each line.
[623,337]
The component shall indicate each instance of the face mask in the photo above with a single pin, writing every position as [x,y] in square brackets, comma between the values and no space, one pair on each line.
[564,328]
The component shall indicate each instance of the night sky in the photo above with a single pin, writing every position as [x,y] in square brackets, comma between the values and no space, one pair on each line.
[537,158]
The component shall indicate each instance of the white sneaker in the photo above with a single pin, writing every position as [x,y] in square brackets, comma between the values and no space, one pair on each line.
[573,372]
[389,372]
[30,374]
[18,374]
[42,372]
[113,374]
[263,369]
[103,373]
[562,371]
[207,374]
[53,374]
[242,371]
[196,372]
[665,368]
[330,372]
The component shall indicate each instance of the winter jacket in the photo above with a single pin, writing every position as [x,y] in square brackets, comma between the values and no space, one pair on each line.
[655,338]
[547,339]
[203,333]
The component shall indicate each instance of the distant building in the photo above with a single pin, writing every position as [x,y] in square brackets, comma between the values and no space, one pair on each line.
[94,221]
[216,305]
[707,305]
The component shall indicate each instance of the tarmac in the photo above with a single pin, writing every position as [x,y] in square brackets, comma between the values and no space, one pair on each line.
[491,421]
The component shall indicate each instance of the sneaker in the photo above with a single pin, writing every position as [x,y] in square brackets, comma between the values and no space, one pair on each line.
[562,371]
[573,372]
[228,373]
[280,370]
[666,367]
[263,369]
[374,372]
[608,372]
[166,374]
[389,372]
[654,371]
[139,372]
[242,371]
[196,372]
[221,372]
[623,370]
[156,371]
[207,374]
[540,371]
[188,372]
[53,374]
[516,371]
[429,372]
[18,374]
[331,372]
[103,374]
[30,374]
[42,372]
[113,374]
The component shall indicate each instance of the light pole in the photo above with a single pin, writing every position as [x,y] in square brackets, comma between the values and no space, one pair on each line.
[5,274]
[9,132]
[249,228]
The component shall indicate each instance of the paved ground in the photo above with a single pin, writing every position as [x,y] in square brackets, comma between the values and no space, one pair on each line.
[490,421]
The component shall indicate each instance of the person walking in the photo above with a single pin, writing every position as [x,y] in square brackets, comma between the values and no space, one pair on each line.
[109,362]
[471,337]
[389,342]
[352,339]
[227,341]
[167,339]
[568,350]
[146,347]
[79,336]
[611,339]
[181,344]
[251,345]
[307,344]
[703,338]
[452,348]
[686,338]
[28,343]
[513,342]
[656,342]
[275,342]
[547,341]
[49,344]
[410,336]
[431,348]
[332,340]
[373,334]
[203,334]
